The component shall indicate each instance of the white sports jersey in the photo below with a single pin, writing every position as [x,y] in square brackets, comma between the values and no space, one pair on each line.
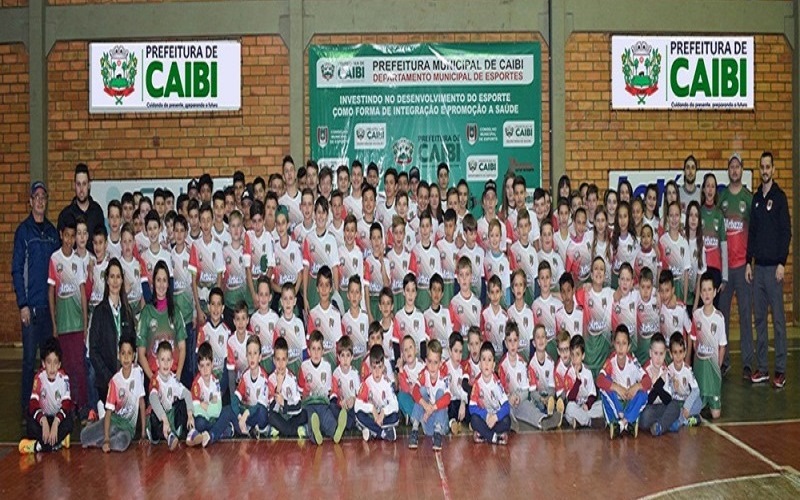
[695,271]
[601,250]
[675,255]
[377,395]
[442,383]
[560,243]
[513,374]
[363,235]
[648,322]
[217,337]
[124,393]
[708,333]
[207,262]
[483,235]
[114,248]
[51,394]
[425,262]
[627,375]
[455,369]
[439,326]
[345,384]
[141,242]
[681,382]
[493,326]
[223,237]
[320,250]
[579,259]
[182,282]
[236,358]
[560,377]
[203,392]
[656,372]
[315,381]
[338,233]
[649,260]
[366,370]
[329,323]
[408,375]
[653,222]
[237,261]
[133,280]
[488,395]
[253,392]
[290,390]
[476,257]
[526,258]
[289,262]
[624,312]
[257,247]
[399,266]
[674,319]
[627,249]
[292,331]
[150,259]
[301,232]
[263,325]
[98,279]
[587,388]
[571,322]
[292,205]
[498,265]
[542,374]
[353,206]
[358,330]
[544,313]
[413,324]
[384,213]
[168,390]
[556,266]
[373,275]
[448,254]
[351,263]
[465,313]
[597,308]
[525,323]
[474,368]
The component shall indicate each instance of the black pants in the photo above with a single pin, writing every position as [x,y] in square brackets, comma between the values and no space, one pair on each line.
[179,419]
[34,430]
[287,426]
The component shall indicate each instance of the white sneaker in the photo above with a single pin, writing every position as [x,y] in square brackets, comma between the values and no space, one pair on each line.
[101,410]
[365,434]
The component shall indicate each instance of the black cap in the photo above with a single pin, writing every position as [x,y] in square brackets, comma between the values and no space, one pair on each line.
[490,184]
[192,185]
[413,173]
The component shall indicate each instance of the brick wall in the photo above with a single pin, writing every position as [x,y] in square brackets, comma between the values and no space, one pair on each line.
[14,172]
[253,139]
[449,38]
[599,139]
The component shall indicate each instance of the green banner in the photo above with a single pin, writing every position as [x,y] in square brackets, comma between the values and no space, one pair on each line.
[477,107]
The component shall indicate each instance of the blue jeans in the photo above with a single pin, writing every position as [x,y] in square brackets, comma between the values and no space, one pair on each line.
[219,428]
[613,406]
[91,388]
[437,421]
[38,330]
[327,418]
[257,418]
[365,420]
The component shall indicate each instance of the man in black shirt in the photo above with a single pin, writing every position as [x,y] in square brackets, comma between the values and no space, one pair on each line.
[82,205]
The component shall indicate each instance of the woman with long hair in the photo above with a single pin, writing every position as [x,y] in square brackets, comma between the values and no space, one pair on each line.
[161,321]
[112,320]
[714,235]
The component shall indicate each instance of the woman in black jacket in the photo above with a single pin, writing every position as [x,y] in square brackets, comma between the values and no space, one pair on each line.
[112,320]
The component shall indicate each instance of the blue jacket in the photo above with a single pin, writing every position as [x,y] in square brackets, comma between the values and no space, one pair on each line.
[33,245]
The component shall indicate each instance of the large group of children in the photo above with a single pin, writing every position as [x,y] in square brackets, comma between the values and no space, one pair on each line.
[314,304]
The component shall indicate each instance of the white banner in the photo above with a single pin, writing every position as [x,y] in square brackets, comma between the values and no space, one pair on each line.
[682,72]
[165,76]
[103,191]
[639,179]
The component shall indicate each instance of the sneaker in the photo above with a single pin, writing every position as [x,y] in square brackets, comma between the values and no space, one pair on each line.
[316,431]
[301,432]
[655,429]
[692,421]
[92,416]
[172,441]
[598,423]
[759,377]
[550,423]
[455,427]
[779,381]
[206,438]
[574,424]
[502,439]
[636,429]
[675,426]
[27,446]
[194,438]
[476,438]
[365,434]
[551,405]
[65,442]
[613,430]
[560,406]
[389,434]
[413,440]
[747,373]
[274,433]
[341,424]
[437,441]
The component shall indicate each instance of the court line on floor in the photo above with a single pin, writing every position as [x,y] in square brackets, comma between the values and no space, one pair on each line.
[746,447]
[712,482]
[442,475]
[759,422]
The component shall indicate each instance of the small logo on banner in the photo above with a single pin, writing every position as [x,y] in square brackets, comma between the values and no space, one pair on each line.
[118,69]
[472,133]
[322,136]
[641,66]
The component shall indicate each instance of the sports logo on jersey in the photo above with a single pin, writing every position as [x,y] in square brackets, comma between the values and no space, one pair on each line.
[591,303]
[59,267]
[713,328]
[675,321]
[444,321]
[221,339]
[538,311]
[153,325]
[474,309]
[525,322]
[742,206]
[433,262]
[577,326]
[460,310]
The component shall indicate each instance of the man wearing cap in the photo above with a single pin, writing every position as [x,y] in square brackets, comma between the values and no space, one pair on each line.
[768,239]
[193,189]
[82,205]
[35,240]
[735,201]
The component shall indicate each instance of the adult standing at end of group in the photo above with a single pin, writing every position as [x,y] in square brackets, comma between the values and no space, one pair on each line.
[35,240]
[767,249]
[689,190]
[734,202]
[83,205]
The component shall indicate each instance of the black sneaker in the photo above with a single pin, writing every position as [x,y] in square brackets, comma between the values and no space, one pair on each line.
[413,440]
[747,373]
[437,441]
[724,370]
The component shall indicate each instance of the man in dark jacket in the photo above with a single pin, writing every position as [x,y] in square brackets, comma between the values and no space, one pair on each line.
[82,205]
[768,241]
[35,240]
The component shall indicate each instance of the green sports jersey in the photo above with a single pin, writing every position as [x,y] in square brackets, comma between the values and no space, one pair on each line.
[154,327]
[736,210]
[66,275]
